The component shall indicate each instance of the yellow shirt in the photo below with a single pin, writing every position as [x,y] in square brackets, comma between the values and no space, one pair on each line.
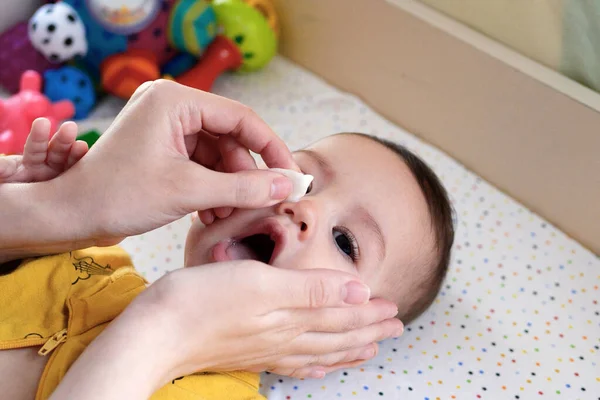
[63,302]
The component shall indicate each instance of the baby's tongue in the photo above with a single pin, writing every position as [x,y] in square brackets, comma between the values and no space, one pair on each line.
[239,251]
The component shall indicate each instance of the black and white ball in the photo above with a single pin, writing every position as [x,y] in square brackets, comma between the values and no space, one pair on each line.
[56,31]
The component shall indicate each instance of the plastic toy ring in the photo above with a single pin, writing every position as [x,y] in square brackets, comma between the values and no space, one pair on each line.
[124,17]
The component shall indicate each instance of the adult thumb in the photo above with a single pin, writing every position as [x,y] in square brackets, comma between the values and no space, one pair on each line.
[244,189]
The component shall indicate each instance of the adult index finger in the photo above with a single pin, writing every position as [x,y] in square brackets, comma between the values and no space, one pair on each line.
[221,116]
[318,288]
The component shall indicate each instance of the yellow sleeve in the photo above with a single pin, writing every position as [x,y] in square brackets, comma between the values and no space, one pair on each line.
[212,386]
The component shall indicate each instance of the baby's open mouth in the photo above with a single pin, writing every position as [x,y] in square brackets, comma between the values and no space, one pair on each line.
[263,242]
[256,247]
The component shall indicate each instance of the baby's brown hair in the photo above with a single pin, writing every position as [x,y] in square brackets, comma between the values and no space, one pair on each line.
[441,216]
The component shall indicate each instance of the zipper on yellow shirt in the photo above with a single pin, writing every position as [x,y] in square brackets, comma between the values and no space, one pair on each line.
[53,342]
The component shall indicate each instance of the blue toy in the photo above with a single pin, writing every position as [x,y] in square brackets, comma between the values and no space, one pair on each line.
[179,64]
[70,83]
[101,42]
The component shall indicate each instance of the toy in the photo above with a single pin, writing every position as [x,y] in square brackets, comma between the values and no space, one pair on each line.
[56,31]
[123,73]
[179,64]
[248,44]
[192,26]
[70,83]
[90,137]
[123,61]
[153,37]
[19,111]
[123,16]
[221,55]
[133,41]
[101,42]
[17,55]
[92,71]
[249,30]
[266,8]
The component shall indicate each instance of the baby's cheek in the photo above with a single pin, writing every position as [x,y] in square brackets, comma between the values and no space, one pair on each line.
[389,287]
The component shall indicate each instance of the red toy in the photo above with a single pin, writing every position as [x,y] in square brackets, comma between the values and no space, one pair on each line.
[18,112]
[221,55]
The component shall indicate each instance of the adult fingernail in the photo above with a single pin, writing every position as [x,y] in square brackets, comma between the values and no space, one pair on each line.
[367,354]
[399,332]
[281,188]
[317,374]
[357,293]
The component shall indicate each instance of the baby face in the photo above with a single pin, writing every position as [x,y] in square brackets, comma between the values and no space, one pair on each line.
[364,214]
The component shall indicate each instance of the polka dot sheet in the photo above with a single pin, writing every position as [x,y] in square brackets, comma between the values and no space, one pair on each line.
[518,315]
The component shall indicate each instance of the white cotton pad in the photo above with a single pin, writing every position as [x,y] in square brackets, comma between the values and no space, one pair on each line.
[300,181]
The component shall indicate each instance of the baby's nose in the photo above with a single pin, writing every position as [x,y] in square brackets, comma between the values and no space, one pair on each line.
[303,214]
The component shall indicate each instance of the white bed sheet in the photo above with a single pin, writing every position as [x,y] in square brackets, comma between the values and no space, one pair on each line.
[518,316]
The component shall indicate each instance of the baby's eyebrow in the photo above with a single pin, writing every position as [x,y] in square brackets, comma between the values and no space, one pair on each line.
[321,161]
[372,225]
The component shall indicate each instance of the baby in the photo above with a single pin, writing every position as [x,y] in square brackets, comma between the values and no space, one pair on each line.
[374,209]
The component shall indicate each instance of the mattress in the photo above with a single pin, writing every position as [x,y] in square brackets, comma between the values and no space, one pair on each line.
[518,315]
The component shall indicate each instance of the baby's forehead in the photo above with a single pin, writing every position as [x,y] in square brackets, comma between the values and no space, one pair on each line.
[352,142]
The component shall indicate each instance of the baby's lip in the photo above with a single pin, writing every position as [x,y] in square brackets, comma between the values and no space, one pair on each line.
[267,226]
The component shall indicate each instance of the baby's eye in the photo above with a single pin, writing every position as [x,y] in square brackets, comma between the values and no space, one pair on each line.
[346,242]
[309,189]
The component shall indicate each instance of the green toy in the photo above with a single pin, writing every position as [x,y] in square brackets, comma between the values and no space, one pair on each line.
[246,42]
[249,30]
[90,137]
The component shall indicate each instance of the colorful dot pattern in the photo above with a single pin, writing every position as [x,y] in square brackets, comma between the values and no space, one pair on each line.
[518,316]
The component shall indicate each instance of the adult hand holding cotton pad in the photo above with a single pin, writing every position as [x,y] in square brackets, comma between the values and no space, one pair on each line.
[300,182]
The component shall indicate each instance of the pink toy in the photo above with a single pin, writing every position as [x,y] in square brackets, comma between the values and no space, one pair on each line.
[18,112]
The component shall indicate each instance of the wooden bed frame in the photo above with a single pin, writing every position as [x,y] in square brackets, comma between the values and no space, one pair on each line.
[526,129]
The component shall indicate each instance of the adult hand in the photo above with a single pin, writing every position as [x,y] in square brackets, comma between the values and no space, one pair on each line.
[157,162]
[144,159]
[232,316]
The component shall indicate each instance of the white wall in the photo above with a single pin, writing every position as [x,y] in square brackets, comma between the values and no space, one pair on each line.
[13,11]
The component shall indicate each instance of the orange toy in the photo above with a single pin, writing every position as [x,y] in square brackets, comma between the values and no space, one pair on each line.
[123,73]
